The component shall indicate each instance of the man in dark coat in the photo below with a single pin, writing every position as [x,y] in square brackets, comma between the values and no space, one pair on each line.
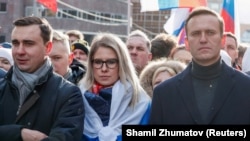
[208,91]
[35,103]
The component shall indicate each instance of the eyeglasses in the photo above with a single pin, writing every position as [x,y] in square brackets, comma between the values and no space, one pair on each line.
[110,63]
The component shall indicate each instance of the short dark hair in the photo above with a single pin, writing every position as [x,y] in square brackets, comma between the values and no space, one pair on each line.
[205,11]
[230,34]
[45,27]
[162,45]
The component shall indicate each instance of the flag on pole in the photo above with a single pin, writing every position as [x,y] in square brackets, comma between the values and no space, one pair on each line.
[176,20]
[181,36]
[157,5]
[230,15]
[50,4]
[179,12]
[175,23]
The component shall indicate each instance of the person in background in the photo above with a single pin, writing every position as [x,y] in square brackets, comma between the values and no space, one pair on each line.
[139,47]
[111,90]
[158,71]
[245,61]
[36,103]
[61,58]
[80,49]
[74,35]
[162,45]
[6,59]
[241,51]
[231,47]
[181,53]
[207,92]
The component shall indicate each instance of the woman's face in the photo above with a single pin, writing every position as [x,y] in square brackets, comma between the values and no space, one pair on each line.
[4,63]
[106,66]
[161,76]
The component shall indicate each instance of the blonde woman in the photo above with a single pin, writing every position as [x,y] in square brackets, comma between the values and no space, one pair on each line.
[111,90]
[158,71]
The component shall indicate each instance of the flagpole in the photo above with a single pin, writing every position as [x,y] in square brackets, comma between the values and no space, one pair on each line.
[34,8]
[237,21]
[129,18]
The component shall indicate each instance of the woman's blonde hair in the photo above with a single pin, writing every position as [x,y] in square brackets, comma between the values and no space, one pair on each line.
[127,72]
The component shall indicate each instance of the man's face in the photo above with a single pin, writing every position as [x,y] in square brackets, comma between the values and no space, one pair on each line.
[139,52]
[80,55]
[29,51]
[204,39]
[231,48]
[60,58]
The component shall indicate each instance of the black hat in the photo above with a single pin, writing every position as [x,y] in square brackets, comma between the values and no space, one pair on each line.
[80,44]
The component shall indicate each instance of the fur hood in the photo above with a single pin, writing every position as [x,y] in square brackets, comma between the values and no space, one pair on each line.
[146,76]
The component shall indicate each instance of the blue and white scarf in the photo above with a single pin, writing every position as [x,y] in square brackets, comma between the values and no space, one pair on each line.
[120,113]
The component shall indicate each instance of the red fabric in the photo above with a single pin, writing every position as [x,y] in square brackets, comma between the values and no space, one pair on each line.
[50,4]
[96,88]
[228,15]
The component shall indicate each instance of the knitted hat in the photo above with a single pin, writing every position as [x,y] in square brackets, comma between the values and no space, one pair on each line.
[6,53]
[80,44]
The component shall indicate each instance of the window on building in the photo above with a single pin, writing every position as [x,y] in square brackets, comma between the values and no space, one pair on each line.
[73,13]
[91,17]
[2,38]
[98,18]
[94,16]
[3,7]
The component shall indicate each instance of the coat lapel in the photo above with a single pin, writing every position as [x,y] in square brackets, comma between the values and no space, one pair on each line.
[186,91]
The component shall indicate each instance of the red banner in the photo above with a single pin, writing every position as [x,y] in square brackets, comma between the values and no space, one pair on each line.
[50,4]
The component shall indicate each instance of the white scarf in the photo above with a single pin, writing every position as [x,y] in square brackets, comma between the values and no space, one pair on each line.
[245,61]
[120,113]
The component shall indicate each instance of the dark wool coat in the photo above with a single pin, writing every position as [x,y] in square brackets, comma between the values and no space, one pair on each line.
[54,107]
[174,101]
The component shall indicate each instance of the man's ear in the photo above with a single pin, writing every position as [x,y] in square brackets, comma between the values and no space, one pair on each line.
[71,57]
[186,44]
[48,47]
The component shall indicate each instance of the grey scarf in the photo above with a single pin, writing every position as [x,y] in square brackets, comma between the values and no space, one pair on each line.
[25,82]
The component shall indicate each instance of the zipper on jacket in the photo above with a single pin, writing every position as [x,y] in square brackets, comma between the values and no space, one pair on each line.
[18,110]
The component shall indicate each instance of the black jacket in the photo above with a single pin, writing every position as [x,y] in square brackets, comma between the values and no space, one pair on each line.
[78,70]
[55,107]
[2,73]
[174,102]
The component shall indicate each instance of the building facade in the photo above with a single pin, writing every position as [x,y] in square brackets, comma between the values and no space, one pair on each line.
[88,16]
[92,16]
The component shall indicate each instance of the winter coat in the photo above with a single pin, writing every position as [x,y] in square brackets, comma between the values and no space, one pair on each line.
[55,108]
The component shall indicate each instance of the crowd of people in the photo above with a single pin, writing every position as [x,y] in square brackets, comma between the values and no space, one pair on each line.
[56,86]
